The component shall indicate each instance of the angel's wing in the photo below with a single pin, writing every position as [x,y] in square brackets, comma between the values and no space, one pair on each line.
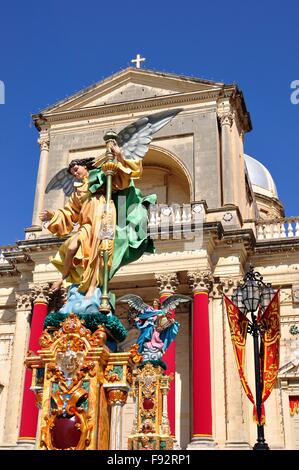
[134,301]
[62,180]
[136,137]
[173,301]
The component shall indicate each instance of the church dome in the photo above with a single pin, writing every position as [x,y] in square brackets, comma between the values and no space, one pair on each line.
[260,178]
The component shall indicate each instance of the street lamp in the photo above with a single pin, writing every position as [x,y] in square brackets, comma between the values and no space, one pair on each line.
[252,294]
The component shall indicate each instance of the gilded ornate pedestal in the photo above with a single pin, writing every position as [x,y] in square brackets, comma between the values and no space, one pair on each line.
[151,426]
[76,379]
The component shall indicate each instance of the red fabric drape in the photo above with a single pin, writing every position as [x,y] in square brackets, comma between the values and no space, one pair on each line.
[270,340]
[238,324]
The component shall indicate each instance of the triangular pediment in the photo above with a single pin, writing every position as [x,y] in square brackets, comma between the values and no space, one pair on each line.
[289,369]
[132,84]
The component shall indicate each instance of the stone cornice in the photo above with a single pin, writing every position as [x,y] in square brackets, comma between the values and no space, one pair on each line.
[48,243]
[278,245]
[245,236]
[21,253]
[232,108]
[16,256]
[242,113]
[12,257]
[8,270]
[40,244]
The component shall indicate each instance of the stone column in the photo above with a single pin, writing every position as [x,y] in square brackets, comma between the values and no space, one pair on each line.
[226,119]
[16,379]
[165,428]
[237,426]
[167,285]
[202,421]
[117,397]
[29,415]
[44,142]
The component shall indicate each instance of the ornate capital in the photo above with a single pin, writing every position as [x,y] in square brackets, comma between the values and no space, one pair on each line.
[40,293]
[200,280]
[24,301]
[226,285]
[44,142]
[226,119]
[167,283]
[117,396]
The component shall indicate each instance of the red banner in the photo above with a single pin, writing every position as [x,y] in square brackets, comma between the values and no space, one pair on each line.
[270,339]
[238,324]
[269,322]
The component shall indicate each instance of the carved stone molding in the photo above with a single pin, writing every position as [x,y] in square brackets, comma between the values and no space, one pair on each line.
[295,293]
[167,283]
[225,286]
[200,280]
[44,142]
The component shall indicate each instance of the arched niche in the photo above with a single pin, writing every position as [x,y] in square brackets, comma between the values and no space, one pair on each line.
[164,175]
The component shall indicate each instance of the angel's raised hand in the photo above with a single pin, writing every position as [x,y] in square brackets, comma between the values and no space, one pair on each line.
[116,150]
[46,215]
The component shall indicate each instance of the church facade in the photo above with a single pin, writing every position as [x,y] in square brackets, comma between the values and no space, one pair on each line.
[218,212]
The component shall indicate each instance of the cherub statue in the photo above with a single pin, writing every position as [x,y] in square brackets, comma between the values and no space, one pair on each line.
[157,328]
[80,257]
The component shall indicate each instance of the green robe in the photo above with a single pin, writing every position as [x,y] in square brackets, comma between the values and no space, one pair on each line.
[131,239]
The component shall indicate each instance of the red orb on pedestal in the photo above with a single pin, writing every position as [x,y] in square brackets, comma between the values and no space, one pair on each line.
[65,433]
[148,404]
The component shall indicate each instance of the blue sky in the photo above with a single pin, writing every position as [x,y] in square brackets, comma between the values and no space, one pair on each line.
[50,50]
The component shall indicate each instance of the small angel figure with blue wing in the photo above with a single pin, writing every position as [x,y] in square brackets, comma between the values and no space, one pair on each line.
[157,328]
[79,258]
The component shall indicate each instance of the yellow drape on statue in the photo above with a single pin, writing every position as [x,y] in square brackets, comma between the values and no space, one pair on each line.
[87,210]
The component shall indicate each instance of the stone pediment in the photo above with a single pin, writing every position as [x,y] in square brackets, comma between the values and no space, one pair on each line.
[130,85]
[290,369]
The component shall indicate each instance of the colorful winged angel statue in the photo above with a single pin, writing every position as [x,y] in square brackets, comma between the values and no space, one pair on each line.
[157,328]
[100,238]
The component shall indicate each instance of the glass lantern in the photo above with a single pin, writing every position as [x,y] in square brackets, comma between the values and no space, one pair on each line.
[267,295]
[251,295]
[237,299]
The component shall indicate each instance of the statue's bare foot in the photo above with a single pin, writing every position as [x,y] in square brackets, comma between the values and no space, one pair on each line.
[56,285]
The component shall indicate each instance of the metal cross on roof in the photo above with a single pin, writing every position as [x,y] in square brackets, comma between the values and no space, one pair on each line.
[138,61]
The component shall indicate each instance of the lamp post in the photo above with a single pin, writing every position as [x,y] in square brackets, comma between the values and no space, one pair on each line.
[252,294]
